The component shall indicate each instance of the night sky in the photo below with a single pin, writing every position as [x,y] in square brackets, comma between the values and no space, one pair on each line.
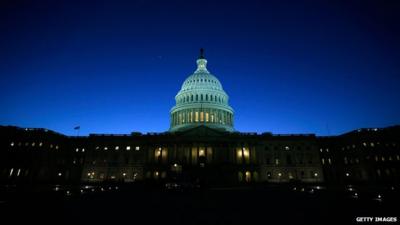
[323,67]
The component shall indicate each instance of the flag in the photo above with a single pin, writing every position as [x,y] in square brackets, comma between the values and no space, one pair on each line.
[77,127]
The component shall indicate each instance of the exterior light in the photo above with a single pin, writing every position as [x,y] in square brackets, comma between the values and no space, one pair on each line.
[59,174]
[279,174]
[83,150]
[347,174]
[315,174]
[77,150]
[124,174]
[175,165]
[12,144]
[116,147]
[128,148]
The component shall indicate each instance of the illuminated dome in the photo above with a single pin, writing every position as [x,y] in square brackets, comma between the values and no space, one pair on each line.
[201,101]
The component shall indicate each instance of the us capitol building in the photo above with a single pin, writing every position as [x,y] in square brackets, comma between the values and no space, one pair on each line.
[200,146]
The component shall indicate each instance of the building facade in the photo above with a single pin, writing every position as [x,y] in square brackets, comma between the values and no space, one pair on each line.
[200,146]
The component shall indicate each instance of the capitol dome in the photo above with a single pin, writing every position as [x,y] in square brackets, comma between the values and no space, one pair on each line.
[201,101]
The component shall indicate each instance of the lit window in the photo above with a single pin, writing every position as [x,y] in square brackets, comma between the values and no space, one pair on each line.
[315,174]
[51,145]
[383,159]
[279,174]
[202,152]
[158,152]
[41,144]
[97,147]
[323,161]
[287,148]
[116,147]
[59,174]
[327,150]
[12,144]
[56,146]
[128,148]
[276,161]
[105,148]
[329,161]
[83,150]
[365,144]
[33,144]
[11,171]
[18,172]
[347,174]
[320,149]
[77,150]
[124,174]
[137,148]
[372,144]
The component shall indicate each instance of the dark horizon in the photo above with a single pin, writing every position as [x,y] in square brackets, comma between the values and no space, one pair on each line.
[115,67]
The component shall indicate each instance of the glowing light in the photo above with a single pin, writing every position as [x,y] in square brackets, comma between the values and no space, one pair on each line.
[12,144]
[116,147]
[59,174]
[128,148]
[137,148]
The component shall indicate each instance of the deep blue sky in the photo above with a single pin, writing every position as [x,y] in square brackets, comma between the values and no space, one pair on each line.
[323,67]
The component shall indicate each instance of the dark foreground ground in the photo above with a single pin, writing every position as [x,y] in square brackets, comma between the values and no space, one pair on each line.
[141,204]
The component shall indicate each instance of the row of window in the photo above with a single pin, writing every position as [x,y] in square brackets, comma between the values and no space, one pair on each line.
[33,144]
[117,147]
[102,176]
[205,115]
[289,160]
[201,97]
[286,147]
[289,175]
[368,144]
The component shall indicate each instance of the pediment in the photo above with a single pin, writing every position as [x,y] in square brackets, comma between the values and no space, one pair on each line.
[201,131]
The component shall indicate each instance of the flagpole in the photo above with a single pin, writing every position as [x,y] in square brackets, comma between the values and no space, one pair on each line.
[77,128]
